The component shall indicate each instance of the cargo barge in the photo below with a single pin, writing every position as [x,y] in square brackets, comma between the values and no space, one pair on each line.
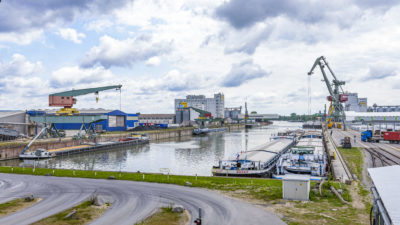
[87,147]
[199,131]
[257,162]
[307,157]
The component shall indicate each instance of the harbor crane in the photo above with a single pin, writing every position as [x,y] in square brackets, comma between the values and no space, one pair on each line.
[336,115]
[66,99]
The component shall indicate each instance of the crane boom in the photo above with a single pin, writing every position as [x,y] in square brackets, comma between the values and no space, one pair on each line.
[85,91]
[66,98]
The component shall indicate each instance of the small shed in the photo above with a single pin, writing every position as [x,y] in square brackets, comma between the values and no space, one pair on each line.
[296,187]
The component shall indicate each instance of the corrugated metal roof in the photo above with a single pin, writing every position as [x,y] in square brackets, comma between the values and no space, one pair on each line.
[10,113]
[387,183]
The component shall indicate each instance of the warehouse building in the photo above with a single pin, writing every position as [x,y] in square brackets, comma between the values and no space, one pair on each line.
[14,122]
[215,105]
[152,119]
[116,120]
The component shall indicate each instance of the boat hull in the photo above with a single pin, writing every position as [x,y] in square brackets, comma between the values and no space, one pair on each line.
[241,173]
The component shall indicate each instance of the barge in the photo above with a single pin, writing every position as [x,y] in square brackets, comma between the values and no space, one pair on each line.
[135,139]
[257,162]
[307,157]
[199,131]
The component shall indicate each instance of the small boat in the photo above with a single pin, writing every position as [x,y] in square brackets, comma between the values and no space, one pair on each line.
[37,154]
[128,139]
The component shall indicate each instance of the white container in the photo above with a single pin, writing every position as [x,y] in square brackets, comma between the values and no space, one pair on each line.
[296,187]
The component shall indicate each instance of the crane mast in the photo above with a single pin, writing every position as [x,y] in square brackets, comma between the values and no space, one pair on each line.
[336,95]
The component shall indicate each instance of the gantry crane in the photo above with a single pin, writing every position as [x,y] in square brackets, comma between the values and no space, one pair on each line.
[337,96]
[66,99]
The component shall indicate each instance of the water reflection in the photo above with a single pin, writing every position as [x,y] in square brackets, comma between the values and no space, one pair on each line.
[185,155]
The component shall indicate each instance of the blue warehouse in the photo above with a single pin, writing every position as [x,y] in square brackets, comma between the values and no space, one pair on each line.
[116,121]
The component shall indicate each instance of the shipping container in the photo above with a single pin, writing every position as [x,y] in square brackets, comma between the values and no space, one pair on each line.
[392,137]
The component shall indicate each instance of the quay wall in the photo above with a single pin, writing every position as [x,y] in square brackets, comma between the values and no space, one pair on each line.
[11,150]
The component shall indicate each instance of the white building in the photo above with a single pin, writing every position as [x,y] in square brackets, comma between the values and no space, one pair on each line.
[355,103]
[156,118]
[214,105]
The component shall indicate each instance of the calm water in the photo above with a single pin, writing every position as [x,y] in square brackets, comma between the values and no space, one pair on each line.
[184,156]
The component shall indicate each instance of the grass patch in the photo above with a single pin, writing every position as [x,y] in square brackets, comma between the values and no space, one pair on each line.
[165,216]
[15,206]
[85,213]
[355,160]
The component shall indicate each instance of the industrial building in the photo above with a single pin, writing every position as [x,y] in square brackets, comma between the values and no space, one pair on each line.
[186,116]
[215,105]
[233,112]
[261,117]
[116,120]
[384,108]
[152,119]
[13,123]
[356,104]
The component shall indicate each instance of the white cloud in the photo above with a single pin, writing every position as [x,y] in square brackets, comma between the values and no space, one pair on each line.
[153,61]
[71,35]
[99,25]
[71,76]
[19,66]
[113,52]
[21,38]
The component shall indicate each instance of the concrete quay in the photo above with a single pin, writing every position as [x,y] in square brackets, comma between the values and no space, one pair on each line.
[339,168]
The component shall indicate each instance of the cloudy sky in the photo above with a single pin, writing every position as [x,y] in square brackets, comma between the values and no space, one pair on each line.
[257,51]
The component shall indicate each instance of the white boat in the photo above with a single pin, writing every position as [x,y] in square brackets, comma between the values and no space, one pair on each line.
[257,162]
[307,157]
[37,154]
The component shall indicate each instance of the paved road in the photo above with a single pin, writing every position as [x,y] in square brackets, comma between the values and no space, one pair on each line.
[131,201]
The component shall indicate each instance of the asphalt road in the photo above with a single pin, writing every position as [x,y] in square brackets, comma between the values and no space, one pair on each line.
[131,201]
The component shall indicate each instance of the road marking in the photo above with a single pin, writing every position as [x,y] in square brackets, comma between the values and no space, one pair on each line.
[396,149]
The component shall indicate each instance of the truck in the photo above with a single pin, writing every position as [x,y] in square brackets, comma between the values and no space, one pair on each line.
[392,136]
[346,142]
[368,136]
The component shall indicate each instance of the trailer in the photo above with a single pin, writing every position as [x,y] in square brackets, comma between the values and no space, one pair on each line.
[392,136]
